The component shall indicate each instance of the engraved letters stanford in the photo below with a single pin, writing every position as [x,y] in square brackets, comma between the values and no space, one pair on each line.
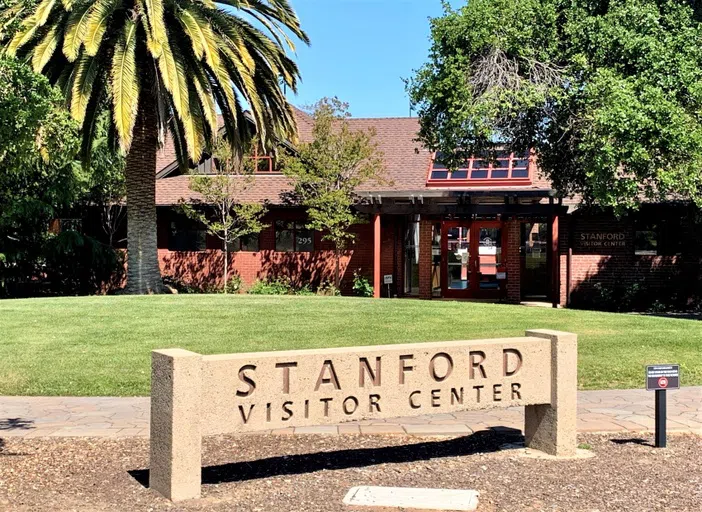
[248,392]
[193,395]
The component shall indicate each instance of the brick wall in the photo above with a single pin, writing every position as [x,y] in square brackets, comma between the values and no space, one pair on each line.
[613,265]
[425,259]
[513,262]
[199,268]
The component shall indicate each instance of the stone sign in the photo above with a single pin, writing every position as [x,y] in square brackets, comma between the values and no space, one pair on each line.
[194,395]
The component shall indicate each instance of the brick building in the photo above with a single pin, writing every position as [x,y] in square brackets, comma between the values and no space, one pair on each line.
[490,230]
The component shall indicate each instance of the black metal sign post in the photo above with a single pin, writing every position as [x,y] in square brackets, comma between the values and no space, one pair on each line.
[660,378]
[661,416]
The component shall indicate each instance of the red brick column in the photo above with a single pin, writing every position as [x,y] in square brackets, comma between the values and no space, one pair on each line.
[513,262]
[555,262]
[563,258]
[376,257]
[425,259]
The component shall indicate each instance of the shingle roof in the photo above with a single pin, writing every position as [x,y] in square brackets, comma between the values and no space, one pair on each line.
[406,161]
[263,189]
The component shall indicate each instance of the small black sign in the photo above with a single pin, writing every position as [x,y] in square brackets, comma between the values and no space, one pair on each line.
[663,376]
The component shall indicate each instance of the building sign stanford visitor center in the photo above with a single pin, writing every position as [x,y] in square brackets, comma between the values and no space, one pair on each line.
[194,395]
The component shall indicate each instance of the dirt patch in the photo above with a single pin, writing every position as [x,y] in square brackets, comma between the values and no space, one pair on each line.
[313,473]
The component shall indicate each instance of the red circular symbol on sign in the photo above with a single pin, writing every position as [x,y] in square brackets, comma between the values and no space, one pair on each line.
[662,382]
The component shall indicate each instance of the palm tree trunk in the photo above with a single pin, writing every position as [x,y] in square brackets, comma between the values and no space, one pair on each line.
[143,273]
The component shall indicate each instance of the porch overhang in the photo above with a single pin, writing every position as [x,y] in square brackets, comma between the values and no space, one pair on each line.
[462,202]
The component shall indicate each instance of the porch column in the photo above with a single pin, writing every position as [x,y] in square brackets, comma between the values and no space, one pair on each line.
[425,259]
[513,262]
[555,263]
[376,256]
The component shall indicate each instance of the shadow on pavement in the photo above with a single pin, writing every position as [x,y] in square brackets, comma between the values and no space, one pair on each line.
[16,424]
[485,441]
[642,442]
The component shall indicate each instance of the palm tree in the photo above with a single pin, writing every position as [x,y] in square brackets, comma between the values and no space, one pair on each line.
[165,65]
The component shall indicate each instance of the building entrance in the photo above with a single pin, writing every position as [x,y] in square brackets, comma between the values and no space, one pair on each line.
[472,259]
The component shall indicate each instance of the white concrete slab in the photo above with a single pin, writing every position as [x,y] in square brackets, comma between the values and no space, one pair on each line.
[412,498]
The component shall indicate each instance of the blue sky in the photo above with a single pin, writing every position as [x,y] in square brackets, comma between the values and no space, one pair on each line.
[361,50]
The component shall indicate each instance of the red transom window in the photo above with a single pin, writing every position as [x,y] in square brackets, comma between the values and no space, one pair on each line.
[506,168]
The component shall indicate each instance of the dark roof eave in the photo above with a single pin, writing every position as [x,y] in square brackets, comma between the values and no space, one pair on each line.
[428,193]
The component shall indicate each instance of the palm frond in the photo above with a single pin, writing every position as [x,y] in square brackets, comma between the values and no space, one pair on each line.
[201,35]
[75,31]
[97,25]
[92,113]
[155,19]
[174,79]
[82,82]
[278,11]
[45,49]
[154,46]
[178,141]
[193,129]
[30,26]
[125,85]
[204,93]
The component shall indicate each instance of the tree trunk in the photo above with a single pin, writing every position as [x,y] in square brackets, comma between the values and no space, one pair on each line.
[226,264]
[143,272]
[337,274]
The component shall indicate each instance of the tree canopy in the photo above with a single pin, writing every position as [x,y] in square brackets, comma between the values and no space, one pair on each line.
[38,144]
[183,56]
[608,93]
[328,169]
[219,208]
[179,66]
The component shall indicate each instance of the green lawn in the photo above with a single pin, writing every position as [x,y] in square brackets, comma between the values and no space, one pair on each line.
[100,345]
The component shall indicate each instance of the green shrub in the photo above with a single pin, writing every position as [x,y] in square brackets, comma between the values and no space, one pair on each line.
[305,290]
[234,284]
[77,264]
[328,289]
[181,286]
[362,285]
[276,286]
[283,286]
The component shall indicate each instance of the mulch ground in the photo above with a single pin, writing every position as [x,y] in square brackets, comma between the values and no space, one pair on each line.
[313,473]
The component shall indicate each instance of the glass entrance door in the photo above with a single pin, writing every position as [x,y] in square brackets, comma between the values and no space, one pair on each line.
[535,276]
[457,261]
[490,267]
[472,259]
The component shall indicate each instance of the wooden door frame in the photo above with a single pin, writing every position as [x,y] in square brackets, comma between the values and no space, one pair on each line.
[473,290]
[502,290]
[445,291]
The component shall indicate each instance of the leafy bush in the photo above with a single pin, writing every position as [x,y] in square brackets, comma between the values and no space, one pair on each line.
[632,296]
[234,284]
[328,290]
[305,290]
[181,286]
[362,285]
[283,286]
[77,264]
[275,286]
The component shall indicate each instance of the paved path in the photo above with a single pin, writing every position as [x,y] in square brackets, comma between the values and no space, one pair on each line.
[598,411]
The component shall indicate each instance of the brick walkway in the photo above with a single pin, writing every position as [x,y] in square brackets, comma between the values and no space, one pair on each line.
[598,411]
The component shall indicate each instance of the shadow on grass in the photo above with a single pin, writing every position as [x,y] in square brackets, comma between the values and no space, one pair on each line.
[633,440]
[485,441]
